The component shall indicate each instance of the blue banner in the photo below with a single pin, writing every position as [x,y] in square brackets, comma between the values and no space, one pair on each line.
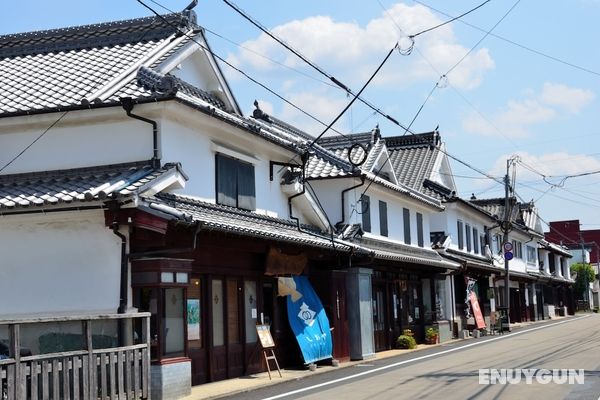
[309,322]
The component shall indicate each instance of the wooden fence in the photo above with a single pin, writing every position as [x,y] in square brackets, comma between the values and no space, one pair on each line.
[109,373]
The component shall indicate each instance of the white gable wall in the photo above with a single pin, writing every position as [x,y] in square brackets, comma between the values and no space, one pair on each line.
[66,262]
[193,138]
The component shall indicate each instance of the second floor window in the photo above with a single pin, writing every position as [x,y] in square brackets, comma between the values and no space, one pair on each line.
[475,240]
[531,255]
[235,183]
[383,218]
[468,236]
[517,249]
[459,228]
[420,240]
[365,209]
[406,218]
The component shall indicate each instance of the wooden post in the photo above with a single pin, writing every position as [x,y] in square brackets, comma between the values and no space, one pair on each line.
[91,364]
[146,358]
[15,352]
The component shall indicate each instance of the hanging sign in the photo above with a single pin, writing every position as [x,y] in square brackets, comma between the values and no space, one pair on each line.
[309,322]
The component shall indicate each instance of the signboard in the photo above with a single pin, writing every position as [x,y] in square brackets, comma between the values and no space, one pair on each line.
[264,335]
[508,256]
[479,321]
[309,322]
[507,246]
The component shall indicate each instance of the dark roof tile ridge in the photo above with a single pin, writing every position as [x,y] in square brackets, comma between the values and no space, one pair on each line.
[107,33]
[27,176]
[413,140]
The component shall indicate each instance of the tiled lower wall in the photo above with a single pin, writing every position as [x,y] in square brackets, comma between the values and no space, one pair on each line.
[171,381]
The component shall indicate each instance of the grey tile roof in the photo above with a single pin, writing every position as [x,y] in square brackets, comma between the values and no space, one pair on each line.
[405,253]
[246,223]
[56,69]
[524,216]
[413,158]
[60,187]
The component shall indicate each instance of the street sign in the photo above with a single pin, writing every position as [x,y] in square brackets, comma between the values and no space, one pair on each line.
[508,255]
[507,246]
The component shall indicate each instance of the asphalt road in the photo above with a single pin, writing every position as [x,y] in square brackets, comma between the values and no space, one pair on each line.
[452,371]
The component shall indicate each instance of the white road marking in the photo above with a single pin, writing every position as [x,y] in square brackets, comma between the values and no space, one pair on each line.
[346,378]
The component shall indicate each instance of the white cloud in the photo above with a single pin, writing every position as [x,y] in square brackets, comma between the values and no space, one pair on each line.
[516,118]
[353,51]
[570,99]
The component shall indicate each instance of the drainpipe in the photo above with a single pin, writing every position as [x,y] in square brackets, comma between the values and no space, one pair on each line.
[362,182]
[124,270]
[123,288]
[127,103]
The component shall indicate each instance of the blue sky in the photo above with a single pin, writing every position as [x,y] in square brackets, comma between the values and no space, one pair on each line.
[499,101]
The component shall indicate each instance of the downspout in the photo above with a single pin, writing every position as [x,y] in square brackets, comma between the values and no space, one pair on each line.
[124,270]
[127,103]
[123,287]
[362,182]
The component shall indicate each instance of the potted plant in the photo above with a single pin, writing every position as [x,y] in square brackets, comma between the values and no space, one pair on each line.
[406,341]
[431,335]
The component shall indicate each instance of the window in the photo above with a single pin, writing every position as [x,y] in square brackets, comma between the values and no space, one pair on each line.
[383,219]
[420,241]
[459,228]
[365,205]
[406,218]
[475,240]
[517,249]
[482,243]
[468,236]
[235,183]
[531,255]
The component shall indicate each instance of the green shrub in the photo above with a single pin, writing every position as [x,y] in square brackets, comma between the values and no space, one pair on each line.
[406,342]
[408,332]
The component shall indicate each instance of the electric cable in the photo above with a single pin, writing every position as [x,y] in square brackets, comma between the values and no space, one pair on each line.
[312,64]
[451,20]
[52,125]
[548,56]
[206,48]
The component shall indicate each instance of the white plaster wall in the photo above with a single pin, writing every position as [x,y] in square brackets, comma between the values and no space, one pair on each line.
[191,140]
[58,263]
[80,139]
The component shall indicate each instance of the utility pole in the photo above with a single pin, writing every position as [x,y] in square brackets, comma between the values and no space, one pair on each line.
[507,247]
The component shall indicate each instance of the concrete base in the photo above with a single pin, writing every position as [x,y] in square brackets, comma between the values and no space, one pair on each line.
[476,333]
[171,381]
[464,334]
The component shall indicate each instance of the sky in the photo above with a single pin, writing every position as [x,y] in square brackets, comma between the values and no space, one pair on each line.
[529,88]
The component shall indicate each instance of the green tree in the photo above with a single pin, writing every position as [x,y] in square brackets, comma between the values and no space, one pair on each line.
[584,274]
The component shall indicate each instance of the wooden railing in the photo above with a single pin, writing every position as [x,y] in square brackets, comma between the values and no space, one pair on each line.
[109,373]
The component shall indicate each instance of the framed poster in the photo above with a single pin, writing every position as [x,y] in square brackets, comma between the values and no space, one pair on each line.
[264,335]
[193,319]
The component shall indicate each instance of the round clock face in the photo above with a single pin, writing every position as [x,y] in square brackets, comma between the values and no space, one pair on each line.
[357,154]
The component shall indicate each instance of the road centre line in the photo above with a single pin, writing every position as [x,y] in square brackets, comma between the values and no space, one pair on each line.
[297,391]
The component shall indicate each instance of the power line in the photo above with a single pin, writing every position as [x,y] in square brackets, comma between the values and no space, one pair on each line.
[550,57]
[356,96]
[484,36]
[451,20]
[206,48]
[34,141]
[270,59]
[492,124]
[346,88]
